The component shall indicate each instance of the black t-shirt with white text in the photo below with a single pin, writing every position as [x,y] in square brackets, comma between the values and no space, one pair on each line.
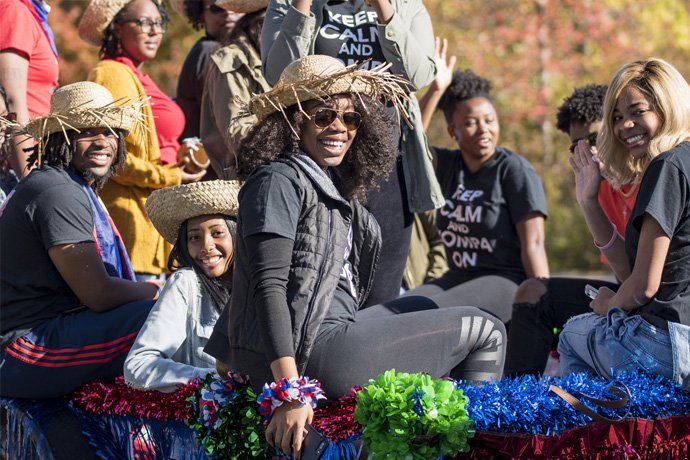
[349,32]
[665,195]
[477,222]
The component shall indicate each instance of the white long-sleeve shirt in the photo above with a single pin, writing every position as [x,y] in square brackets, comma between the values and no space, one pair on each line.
[168,352]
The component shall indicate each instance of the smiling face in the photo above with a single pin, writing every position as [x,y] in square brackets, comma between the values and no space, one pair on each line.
[474,126]
[94,152]
[327,146]
[210,246]
[137,45]
[635,121]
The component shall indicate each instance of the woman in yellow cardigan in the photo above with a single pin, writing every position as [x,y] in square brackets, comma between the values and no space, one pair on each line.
[129,34]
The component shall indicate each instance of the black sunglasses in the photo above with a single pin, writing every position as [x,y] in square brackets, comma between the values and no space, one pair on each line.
[215,9]
[324,117]
[592,138]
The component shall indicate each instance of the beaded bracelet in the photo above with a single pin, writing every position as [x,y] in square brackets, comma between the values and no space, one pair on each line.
[608,245]
[301,389]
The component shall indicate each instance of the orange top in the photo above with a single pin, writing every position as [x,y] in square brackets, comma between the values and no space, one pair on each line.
[617,205]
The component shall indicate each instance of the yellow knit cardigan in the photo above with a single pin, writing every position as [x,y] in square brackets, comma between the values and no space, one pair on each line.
[125,194]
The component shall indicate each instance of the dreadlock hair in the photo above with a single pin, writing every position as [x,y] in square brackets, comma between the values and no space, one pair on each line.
[368,161]
[584,106]
[244,26]
[110,45]
[464,86]
[194,10]
[58,152]
[219,289]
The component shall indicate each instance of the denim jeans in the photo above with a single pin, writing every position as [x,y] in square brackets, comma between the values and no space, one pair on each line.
[614,343]
[680,342]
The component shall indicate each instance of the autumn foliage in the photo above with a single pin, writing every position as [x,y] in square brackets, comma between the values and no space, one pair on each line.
[534,52]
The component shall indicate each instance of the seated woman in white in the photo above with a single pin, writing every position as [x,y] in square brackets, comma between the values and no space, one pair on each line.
[200,220]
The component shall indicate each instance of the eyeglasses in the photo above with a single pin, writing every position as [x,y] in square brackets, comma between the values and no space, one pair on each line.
[215,9]
[324,117]
[592,138]
[146,25]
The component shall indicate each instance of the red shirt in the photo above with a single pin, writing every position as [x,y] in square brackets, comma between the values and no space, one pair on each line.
[167,115]
[21,33]
[617,205]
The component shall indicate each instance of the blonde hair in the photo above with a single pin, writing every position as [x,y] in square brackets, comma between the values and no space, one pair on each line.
[670,95]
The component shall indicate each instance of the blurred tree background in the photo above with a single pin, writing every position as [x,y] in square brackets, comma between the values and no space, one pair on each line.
[534,52]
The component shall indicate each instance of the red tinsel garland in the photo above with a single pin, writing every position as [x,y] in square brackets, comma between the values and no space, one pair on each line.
[336,420]
[118,398]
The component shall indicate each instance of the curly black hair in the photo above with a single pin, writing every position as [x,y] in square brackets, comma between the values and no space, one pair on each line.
[465,85]
[110,45]
[369,160]
[584,106]
[58,153]
[194,10]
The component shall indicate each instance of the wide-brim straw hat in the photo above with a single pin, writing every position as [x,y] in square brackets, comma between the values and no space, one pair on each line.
[168,208]
[320,77]
[84,105]
[242,6]
[237,6]
[96,18]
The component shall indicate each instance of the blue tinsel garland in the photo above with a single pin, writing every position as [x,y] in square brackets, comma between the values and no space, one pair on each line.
[526,405]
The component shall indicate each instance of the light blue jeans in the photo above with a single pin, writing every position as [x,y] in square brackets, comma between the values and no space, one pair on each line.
[614,343]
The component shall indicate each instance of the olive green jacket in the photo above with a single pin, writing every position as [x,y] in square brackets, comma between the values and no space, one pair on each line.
[234,72]
[427,259]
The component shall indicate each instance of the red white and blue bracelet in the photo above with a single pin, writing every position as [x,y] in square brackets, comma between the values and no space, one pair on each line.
[301,389]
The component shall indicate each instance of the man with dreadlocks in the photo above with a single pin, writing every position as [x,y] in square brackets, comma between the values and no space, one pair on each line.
[69,308]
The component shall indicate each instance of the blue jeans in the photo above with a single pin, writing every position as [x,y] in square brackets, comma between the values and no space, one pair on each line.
[614,343]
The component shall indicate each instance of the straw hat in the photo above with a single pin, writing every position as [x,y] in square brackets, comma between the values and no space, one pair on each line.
[169,207]
[319,77]
[84,104]
[242,6]
[96,18]
[237,6]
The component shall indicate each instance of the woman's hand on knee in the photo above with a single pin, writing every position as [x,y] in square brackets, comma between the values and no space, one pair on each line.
[287,427]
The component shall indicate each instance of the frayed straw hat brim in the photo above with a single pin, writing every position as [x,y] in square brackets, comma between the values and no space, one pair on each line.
[242,6]
[96,18]
[320,77]
[83,105]
[168,208]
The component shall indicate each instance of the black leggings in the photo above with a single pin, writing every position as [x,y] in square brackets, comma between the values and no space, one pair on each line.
[409,335]
[531,329]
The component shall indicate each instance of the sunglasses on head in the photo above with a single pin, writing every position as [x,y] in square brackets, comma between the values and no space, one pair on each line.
[324,117]
[592,138]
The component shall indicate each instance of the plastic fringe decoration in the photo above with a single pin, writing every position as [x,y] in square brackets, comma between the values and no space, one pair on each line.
[121,437]
[21,421]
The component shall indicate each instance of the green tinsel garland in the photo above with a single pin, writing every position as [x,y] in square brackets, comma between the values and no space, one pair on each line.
[412,416]
[238,432]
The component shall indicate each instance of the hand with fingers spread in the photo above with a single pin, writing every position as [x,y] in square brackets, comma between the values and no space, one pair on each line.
[444,65]
[287,427]
[587,171]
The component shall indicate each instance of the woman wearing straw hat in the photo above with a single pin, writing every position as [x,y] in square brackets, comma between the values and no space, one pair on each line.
[200,221]
[69,305]
[398,32]
[129,33]
[217,23]
[234,73]
[306,254]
